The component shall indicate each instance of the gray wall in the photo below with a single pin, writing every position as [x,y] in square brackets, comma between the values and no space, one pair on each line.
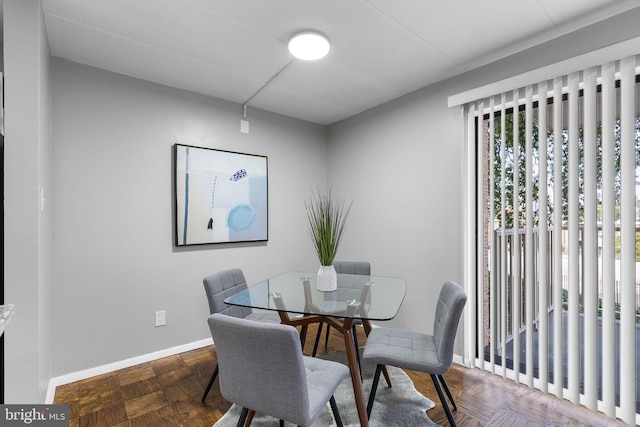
[115,263]
[28,232]
[404,173]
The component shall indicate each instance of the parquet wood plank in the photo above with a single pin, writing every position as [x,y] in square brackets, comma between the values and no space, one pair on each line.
[149,403]
[140,388]
[160,416]
[167,393]
[136,373]
[175,376]
[105,417]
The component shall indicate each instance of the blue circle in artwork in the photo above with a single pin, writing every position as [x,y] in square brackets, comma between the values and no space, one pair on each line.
[241,218]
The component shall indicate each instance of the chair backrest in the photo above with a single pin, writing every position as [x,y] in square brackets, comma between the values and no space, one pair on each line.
[352,267]
[350,288]
[222,285]
[261,367]
[448,313]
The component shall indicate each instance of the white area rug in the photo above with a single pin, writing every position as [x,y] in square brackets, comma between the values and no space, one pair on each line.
[400,405]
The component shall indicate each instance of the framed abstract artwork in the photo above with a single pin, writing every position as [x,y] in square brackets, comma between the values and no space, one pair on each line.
[221,196]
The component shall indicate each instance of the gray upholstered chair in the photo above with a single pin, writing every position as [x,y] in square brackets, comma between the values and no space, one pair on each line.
[263,370]
[222,285]
[353,267]
[344,267]
[421,352]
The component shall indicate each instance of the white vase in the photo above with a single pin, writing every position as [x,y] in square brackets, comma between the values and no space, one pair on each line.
[327,278]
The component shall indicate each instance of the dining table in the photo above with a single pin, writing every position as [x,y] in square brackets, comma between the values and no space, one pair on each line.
[363,298]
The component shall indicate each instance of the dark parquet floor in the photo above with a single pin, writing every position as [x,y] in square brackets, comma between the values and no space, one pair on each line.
[167,393]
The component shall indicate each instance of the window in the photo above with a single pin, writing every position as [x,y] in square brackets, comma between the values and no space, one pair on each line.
[558,296]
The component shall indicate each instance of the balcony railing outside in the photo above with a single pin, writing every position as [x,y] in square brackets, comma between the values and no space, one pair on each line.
[507,237]
[506,356]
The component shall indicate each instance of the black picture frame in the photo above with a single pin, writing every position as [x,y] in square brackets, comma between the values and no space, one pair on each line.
[220,196]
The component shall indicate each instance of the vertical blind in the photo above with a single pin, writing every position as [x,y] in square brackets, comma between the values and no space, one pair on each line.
[557,297]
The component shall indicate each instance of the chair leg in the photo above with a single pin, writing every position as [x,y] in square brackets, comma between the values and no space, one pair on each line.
[315,345]
[355,340]
[443,400]
[446,389]
[336,413]
[247,423]
[374,388]
[213,378]
[326,338]
[243,417]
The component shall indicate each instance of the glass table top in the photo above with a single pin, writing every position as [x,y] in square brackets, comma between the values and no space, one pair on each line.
[357,296]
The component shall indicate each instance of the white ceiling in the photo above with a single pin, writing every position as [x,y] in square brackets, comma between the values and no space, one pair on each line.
[381,49]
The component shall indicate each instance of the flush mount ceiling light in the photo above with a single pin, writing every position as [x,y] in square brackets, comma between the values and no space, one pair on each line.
[309,45]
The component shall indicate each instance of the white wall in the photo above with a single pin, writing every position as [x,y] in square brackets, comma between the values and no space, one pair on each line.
[27,239]
[115,260]
[403,165]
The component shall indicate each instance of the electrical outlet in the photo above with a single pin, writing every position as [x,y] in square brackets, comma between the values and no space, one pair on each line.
[161,318]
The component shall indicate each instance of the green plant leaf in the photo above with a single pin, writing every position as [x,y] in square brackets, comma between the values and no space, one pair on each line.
[327,215]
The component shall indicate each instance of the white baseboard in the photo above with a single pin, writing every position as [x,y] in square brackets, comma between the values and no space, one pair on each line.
[99,370]
[459,360]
